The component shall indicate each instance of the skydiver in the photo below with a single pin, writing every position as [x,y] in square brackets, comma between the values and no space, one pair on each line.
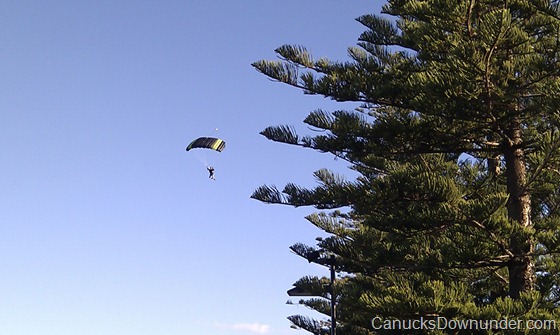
[211,171]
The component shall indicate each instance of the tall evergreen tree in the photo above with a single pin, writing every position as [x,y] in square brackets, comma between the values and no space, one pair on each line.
[456,210]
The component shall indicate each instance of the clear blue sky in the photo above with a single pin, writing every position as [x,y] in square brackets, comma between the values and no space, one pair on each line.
[107,225]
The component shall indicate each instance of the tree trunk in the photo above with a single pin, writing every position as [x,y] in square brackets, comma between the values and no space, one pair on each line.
[521,272]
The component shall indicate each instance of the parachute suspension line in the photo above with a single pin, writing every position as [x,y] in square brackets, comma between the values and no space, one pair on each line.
[202,157]
[206,164]
[205,158]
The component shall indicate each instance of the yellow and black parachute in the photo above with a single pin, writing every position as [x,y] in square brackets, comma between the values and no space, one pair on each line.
[207,143]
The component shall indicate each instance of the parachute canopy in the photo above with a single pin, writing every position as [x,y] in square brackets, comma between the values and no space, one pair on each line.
[207,143]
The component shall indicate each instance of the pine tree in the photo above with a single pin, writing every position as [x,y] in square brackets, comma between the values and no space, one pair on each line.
[456,210]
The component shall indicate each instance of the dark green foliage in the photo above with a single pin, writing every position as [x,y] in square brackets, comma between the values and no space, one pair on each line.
[456,209]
